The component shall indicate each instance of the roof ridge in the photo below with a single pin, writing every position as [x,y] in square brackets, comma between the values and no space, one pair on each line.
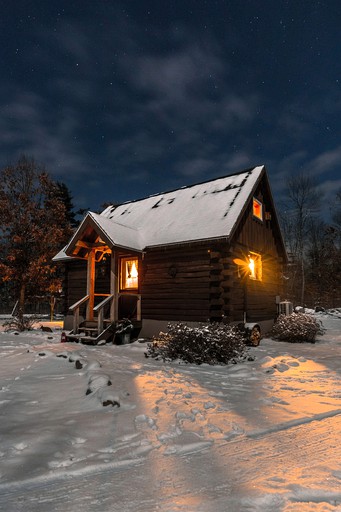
[101,217]
[184,187]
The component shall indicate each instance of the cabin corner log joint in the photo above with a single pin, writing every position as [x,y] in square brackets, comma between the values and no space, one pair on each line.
[212,251]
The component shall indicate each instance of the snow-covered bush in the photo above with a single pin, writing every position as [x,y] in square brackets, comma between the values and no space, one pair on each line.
[296,328]
[210,343]
[24,323]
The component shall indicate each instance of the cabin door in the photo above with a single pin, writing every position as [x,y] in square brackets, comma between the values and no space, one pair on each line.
[128,297]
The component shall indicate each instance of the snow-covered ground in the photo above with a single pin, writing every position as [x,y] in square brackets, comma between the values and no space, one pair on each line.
[104,429]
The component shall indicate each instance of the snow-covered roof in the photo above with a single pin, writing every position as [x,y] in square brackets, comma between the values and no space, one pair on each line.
[198,212]
[204,211]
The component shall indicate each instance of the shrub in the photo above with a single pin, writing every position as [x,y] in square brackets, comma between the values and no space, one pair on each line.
[212,343]
[24,323]
[296,328]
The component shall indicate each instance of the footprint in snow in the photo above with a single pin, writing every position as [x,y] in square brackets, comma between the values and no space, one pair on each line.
[213,429]
[293,363]
[78,441]
[209,405]
[166,436]
[183,416]
[143,419]
[94,365]
[236,430]
[281,367]
[186,449]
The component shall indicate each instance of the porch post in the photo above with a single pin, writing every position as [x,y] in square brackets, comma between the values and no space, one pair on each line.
[114,287]
[90,285]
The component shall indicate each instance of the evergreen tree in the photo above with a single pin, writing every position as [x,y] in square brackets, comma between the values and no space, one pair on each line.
[63,193]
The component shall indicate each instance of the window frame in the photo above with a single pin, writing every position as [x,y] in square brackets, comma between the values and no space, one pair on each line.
[257,204]
[123,273]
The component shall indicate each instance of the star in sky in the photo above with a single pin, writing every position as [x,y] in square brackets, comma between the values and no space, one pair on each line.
[121,100]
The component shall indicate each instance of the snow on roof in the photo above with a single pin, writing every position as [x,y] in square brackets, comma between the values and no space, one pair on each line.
[198,212]
[117,233]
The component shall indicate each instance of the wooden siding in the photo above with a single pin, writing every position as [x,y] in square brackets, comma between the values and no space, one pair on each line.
[200,281]
[75,282]
[257,298]
[176,283]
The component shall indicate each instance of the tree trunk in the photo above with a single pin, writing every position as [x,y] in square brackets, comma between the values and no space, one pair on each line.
[21,306]
[303,282]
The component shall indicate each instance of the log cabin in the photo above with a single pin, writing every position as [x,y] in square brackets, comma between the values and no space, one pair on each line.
[211,251]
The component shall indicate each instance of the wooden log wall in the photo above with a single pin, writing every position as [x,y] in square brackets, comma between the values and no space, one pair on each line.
[176,283]
[220,283]
[258,298]
[74,282]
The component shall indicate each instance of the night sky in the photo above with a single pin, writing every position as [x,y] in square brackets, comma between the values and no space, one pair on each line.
[123,99]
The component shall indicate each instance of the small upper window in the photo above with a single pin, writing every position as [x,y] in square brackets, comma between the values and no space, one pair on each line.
[257,209]
[129,273]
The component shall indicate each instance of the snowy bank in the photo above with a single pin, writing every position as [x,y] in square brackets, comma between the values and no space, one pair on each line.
[105,429]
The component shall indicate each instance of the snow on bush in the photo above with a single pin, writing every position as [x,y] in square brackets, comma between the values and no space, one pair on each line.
[211,343]
[296,328]
[23,323]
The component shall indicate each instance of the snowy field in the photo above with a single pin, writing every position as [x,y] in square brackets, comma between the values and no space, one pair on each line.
[104,429]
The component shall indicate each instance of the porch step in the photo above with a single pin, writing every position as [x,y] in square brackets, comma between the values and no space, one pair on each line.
[81,338]
[88,334]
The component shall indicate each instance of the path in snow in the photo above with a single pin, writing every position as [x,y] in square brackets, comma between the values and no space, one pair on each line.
[259,436]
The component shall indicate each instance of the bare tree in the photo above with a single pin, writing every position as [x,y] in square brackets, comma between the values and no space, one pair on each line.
[302,205]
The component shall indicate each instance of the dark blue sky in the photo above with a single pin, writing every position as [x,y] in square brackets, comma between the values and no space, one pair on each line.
[122,99]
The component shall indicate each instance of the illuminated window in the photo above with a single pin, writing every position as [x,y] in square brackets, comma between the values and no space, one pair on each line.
[255,266]
[129,274]
[257,209]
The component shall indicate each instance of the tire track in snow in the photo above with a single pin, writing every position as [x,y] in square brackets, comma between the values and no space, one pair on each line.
[293,423]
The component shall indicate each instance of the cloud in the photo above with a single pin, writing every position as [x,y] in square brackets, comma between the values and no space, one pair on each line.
[325,162]
[26,127]
[195,166]
[175,77]
[240,161]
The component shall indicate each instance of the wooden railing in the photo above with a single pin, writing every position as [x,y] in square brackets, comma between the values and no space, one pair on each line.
[75,310]
[99,309]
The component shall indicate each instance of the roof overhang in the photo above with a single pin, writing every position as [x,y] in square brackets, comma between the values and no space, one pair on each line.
[94,235]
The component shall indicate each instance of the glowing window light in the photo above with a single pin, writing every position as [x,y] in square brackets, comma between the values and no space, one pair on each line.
[257,209]
[252,268]
[129,274]
[255,266]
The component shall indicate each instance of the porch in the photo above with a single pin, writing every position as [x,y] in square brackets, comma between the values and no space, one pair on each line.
[105,324]
[98,314]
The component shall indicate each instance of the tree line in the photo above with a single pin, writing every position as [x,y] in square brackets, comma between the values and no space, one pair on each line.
[313,275]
